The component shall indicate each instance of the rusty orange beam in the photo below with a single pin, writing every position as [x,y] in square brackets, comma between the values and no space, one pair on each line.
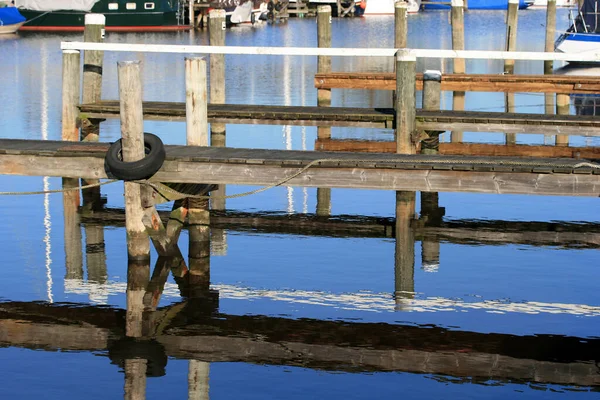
[466,82]
[463,149]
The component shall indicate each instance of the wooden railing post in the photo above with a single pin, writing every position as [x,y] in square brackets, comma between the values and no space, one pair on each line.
[217,73]
[132,133]
[196,114]
[71,75]
[405,101]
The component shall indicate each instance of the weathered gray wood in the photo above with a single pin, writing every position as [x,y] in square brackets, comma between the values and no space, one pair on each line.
[457,20]
[70,94]
[95,253]
[563,107]
[93,59]
[72,233]
[132,133]
[324,62]
[135,379]
[511,33]
[199,247]
[550,33]
[198,380]
[401,25]
[405,105]
[196,101]
[217,73]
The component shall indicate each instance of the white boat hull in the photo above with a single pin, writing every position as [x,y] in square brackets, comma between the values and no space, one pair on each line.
[573,43]
[559,3]
[8,29]
[386,7]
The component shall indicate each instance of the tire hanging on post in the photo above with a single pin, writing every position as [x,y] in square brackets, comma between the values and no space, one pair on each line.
[135,170]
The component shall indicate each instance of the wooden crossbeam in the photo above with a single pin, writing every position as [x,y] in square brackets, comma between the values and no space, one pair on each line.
[466,82]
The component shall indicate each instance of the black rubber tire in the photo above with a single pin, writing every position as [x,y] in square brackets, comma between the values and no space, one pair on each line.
[141,169]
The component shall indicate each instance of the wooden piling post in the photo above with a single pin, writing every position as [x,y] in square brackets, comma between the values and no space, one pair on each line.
[401,25]
[323,95]
[405,103]
[196,113]
[92,71]
[199,247]
[95,253]
[432,83]
[550,33]
[457,18]
[511,33]
[72,230]
[132,125]
[404,276]
[198,380]
[70,94]
[217,73]
[192,17]
[563,107]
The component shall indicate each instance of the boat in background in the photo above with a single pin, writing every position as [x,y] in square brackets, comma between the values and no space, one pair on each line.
[10,20]
[248,12]
[476,4]
[386,7]
[124,16]
[559,3]
[583,34]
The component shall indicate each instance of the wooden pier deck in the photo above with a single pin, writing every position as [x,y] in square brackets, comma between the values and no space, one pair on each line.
[193,164]
[472,121]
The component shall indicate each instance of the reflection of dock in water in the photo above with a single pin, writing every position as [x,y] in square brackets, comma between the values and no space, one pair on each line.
[195,330]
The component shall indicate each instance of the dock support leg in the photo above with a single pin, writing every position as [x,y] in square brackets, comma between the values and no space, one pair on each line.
[196,113]
[217,73]
[324,95]
[457,18]
[405,102]
[511,33]
[401,25]
[550,32]
[132,123]
[70,94]
[72,233]
[198,380]
[563,107]
[199,247]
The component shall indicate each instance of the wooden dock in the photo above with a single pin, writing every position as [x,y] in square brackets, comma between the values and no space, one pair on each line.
[443,120]
[192,164]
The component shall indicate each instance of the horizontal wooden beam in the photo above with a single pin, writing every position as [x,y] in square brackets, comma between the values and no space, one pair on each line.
[465,149]
[466,82]
[442,120]
[190,164]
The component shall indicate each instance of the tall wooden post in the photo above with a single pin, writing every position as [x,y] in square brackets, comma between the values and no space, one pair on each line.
[432,83]
[457,18]
[132,125]
[71,87]
[401,25]
[92,71]
[196,114]
[563,107]
[192,16]
[404,276]
[324,95]
[405,103]
[198,380]
[217,73]
[550,33]
[511,33]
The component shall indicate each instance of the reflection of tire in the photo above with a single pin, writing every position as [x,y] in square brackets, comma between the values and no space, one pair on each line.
[141,169]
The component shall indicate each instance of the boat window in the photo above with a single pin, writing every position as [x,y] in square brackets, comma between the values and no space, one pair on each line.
[131,6]
[113,6]
[149,6]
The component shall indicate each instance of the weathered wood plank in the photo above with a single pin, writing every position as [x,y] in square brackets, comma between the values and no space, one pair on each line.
[189,164]
[466,82]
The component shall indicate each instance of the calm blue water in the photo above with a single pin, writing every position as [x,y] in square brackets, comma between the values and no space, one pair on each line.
[490,295]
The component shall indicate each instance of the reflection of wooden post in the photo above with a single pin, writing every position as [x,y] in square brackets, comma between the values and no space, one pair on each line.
[95,253]
[217,73]
[563,107]
[73,251]
[198,380]
[196,113]
[323,95]
[401,25]
[405,247]
[135,379]
[458,43]
[405,101]
[511,33]
[132,122]
[509,101]
[70,94]
[192,17]
[138,276]
[199,250]
[550,33]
